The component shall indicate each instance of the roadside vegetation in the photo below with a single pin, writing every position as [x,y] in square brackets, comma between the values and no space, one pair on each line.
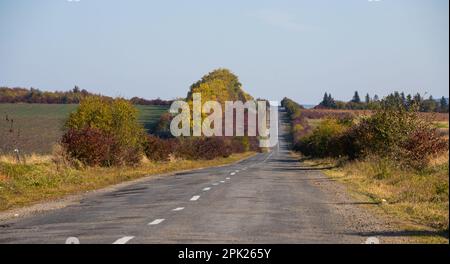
[393,156]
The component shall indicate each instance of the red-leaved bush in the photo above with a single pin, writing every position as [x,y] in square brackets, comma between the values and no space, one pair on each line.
[90,146]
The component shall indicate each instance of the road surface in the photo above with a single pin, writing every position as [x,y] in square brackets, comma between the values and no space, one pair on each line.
[269,198]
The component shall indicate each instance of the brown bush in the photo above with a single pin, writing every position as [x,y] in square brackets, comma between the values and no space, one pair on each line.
[90,146]
[421,146]
[158,149]
[203,148]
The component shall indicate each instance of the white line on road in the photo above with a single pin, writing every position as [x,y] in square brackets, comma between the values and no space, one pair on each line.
[195,197]
[156,221]
[206,189]
[222,181]
[233,173]
[236,171]
[123,240]
[178,209]
[215,184]
[227,178]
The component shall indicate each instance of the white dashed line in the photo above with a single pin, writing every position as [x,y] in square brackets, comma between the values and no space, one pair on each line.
[123,240]
[227,178]
[233,173]
[156,221]
[195,197]
[206,189]
[178,209]
[222,181]
[236,171]
[215,184]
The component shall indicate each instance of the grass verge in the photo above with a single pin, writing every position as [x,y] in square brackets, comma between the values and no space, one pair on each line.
[417,201]
[41,180]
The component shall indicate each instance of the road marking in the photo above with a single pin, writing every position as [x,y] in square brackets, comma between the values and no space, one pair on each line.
[236,171]
[233,173]
[178,209]
[227,178]
[372,240]
[206,189]
[72,240]
[222,181]
[270,155]
[195,197]
[215,184]
[156,221]
[123,240]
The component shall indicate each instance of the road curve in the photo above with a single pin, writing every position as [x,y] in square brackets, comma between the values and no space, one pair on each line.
[269,198]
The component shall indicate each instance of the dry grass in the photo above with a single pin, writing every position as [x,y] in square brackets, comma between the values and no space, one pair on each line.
[26,159]
[24,184]
[415,197]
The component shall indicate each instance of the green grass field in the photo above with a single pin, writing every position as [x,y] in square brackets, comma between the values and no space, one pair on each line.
[37,127]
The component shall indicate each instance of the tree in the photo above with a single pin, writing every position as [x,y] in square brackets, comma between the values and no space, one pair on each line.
[76,89]
[429,105]
[356,98]
[367,98]
[403,98]
[443,105]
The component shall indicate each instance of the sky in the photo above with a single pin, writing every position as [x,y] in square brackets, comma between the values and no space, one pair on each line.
[299,49]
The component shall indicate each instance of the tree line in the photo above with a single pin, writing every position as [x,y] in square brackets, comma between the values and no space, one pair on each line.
[74,96]
[394,99]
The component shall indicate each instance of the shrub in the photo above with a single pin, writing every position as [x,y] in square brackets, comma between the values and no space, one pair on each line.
[162,128]
[104,132]
[398,134]
[203,148]
[324,140]
[91,146]
[158,149]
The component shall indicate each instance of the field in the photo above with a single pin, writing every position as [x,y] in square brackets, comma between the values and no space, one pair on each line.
[37,127]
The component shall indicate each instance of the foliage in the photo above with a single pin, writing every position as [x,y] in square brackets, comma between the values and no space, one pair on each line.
[32,95]
[299,125]
[90,146]
[393,100]
[323,141]
[158,149]
[219,85]
[398,134]
[115,120]
[74,96]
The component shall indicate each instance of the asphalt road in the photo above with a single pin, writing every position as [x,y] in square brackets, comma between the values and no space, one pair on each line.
[269,198]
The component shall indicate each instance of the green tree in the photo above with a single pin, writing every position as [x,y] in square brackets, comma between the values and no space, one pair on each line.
[367,99]
[356,98]
[443,105]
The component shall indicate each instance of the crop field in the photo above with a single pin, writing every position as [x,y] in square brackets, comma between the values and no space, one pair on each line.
[35,128]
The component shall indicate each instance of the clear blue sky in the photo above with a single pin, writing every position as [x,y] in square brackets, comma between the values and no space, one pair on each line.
[298,49]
